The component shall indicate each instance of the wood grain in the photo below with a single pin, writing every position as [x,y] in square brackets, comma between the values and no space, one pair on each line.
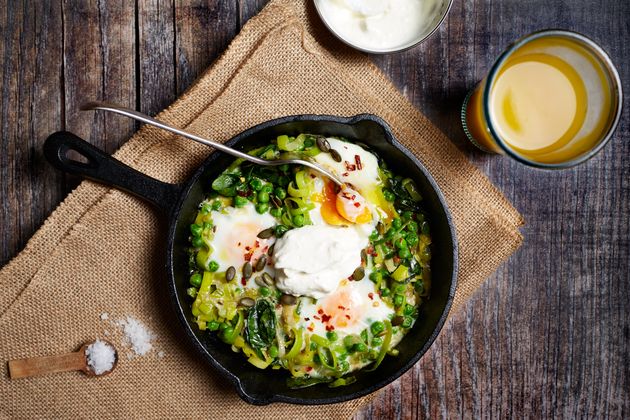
[549,333]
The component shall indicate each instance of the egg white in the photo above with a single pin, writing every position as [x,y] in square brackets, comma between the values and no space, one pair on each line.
[236,236]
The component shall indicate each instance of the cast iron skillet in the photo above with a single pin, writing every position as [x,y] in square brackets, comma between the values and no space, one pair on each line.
[180,204]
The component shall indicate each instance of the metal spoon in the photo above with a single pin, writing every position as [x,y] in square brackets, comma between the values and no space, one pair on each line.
[104,106]
[36,366]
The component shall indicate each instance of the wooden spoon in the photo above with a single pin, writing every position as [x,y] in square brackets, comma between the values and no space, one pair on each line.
[36,366]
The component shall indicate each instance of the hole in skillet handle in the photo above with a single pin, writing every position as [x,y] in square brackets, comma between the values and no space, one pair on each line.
[97,165]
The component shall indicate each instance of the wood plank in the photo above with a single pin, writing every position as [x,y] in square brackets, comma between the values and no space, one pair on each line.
[156,70]
[31,51]
[204,29]
[99,64]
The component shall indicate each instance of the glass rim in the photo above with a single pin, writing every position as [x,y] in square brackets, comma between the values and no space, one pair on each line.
[599,54]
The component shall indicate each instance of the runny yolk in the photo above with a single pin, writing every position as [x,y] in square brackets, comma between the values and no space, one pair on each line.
[338,209]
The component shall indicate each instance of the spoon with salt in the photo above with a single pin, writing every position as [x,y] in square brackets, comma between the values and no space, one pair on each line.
[96,358]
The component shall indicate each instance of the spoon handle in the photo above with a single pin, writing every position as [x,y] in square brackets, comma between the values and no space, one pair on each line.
[105,106]
[35,366]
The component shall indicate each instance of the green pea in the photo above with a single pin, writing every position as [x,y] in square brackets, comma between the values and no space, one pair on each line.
[264,291]
[273,352]
[239,201]
[195,229]
[376,276]
[298,220]
[344,365]
[409,309]
[276,212]
[397,223]
[377,341]
[262,208]
[401,243]
[360,347]
[374,236]
[263,197]
[331,335]
[192,292]
[390,234]
[268,188]
[385,292]
[399,300]
[364,335]
[197,242]
[213,266]
[412,239]
[281,193]
[223,326]
[213,325]
[309,142]
[216,205]
[377,327]
[205,209]
[412,226]
[400,288]
[404,253]
[389,195]
[281,230]
[407,322]
[313,346]
[256,184]
[227,335]
[284,167]
[406,215]
[195,280]
[373,354]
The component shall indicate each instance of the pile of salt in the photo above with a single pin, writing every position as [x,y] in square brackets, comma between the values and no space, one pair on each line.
[100,357]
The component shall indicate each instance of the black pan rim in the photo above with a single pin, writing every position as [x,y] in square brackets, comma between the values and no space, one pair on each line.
[181,312]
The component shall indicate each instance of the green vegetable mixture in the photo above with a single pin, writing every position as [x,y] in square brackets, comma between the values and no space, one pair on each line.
[242,304]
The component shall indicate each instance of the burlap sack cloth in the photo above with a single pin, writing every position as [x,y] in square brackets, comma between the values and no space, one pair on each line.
[102,250]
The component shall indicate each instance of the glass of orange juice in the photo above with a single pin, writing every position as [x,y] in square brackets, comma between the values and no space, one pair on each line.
[551,100]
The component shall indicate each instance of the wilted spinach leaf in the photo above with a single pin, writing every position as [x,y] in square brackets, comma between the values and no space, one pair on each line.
[226,185]
[261,325]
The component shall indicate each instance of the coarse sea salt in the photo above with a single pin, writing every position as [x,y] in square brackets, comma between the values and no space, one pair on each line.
[137,335]
[100,357]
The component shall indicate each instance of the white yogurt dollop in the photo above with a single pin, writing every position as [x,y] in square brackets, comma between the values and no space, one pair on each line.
[312,260]
[379,25]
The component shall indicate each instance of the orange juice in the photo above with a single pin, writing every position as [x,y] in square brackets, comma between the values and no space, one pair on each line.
[549,101]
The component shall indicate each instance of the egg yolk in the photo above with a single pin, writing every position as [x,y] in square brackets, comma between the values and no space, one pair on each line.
[344,307]
[352,206]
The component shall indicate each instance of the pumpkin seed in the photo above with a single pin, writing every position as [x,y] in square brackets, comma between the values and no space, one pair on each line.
[358,274]
[261,263]
[247,270]
[266,234]
[323,144]
[380,228]
[246,302]
[397,320]
[363,255]
[335,155]
[230,273]
[270,250]
[288,299]
[276,201]
[260,281]
[267,279]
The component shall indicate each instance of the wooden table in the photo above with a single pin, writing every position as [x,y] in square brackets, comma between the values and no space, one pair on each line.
[548,334]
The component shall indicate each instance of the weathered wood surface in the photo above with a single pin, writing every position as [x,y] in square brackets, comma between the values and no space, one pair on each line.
[548,335]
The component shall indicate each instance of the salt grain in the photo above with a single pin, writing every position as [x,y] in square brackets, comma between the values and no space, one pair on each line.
[100,357]
[137,335]
[104,316]
[160,354]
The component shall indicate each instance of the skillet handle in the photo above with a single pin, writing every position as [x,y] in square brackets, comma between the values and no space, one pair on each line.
[103,168]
